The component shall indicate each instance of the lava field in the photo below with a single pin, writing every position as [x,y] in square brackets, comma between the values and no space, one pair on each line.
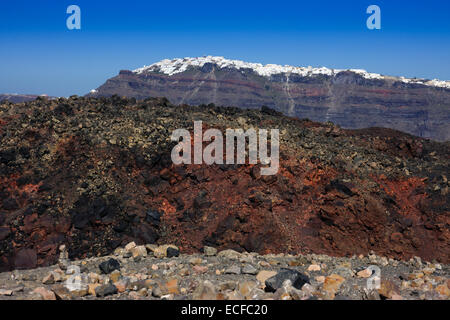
[96,173]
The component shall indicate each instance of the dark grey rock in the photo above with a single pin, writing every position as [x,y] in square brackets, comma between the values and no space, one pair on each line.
[233,270]
[298,279]
[105,290]
[172,252]
[249,269]
[109,266]
[153,216]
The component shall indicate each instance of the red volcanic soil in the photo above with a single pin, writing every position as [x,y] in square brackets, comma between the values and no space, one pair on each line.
[95,174]
[304,208]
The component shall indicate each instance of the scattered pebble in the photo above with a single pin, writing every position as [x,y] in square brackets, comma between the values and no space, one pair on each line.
[229,275]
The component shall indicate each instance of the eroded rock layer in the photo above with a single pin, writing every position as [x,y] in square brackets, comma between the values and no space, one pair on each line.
[350,98]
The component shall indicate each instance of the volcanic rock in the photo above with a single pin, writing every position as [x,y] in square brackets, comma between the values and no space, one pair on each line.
[105,290]
[209,251]
[45,294]
[249,269]
[296,278]
[4,233]
[26,259]
[205,291]
[337,192]
[172,252]
[109,266]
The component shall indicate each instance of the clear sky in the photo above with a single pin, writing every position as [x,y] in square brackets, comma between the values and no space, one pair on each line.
[38,54]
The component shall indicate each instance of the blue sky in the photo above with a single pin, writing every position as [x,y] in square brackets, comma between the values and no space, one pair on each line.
[38,54]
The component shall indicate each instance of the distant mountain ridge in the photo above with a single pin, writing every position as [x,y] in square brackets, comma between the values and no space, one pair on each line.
[178,65]
[18,98]
[351,98]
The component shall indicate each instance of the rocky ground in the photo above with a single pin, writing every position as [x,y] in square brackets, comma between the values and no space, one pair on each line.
[95,174]
[160,272]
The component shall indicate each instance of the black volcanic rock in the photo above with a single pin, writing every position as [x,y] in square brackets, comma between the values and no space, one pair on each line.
[172,252]
[105,290]
[109,266]
[4,233]
[297,279]
[26,259]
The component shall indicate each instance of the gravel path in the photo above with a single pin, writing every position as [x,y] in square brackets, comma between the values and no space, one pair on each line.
[160,272]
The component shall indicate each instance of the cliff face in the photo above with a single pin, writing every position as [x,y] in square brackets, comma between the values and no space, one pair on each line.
[18,98]
[95,174]
[351,99]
